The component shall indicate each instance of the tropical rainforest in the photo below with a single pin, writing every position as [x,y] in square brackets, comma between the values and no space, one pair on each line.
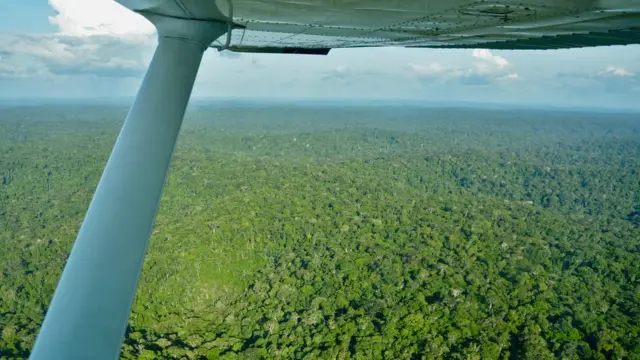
[346,232]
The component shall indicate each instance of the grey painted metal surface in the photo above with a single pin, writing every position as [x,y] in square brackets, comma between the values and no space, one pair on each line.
[272,26]
[88,315]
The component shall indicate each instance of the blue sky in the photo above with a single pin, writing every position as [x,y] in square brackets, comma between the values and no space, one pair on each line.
[96,49]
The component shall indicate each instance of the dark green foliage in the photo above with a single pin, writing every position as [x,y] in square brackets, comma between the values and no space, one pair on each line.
[395,233]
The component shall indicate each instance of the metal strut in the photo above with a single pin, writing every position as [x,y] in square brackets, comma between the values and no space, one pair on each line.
[88,315]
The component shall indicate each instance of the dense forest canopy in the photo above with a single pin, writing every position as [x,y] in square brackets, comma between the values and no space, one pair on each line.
[356,232]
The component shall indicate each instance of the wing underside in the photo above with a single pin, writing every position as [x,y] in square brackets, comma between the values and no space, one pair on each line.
[310,26]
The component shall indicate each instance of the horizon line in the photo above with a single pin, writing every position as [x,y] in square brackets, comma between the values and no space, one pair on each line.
[327,102]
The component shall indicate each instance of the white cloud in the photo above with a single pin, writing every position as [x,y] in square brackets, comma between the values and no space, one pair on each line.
[489,59]
[97,37]
[488,64]
[341,69]
[483,71]
[23,70]
[25,55]
[339,72]
[511,76]
[433,68]
[612,79]
[617,71]
[97,17]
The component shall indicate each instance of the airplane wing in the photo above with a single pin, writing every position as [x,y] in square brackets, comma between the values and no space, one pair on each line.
[315,26]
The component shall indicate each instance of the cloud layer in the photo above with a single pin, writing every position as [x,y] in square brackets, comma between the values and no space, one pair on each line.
[97,17]
[50,55]
[102,48]
[483,68]
[94,38]
[612,79]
